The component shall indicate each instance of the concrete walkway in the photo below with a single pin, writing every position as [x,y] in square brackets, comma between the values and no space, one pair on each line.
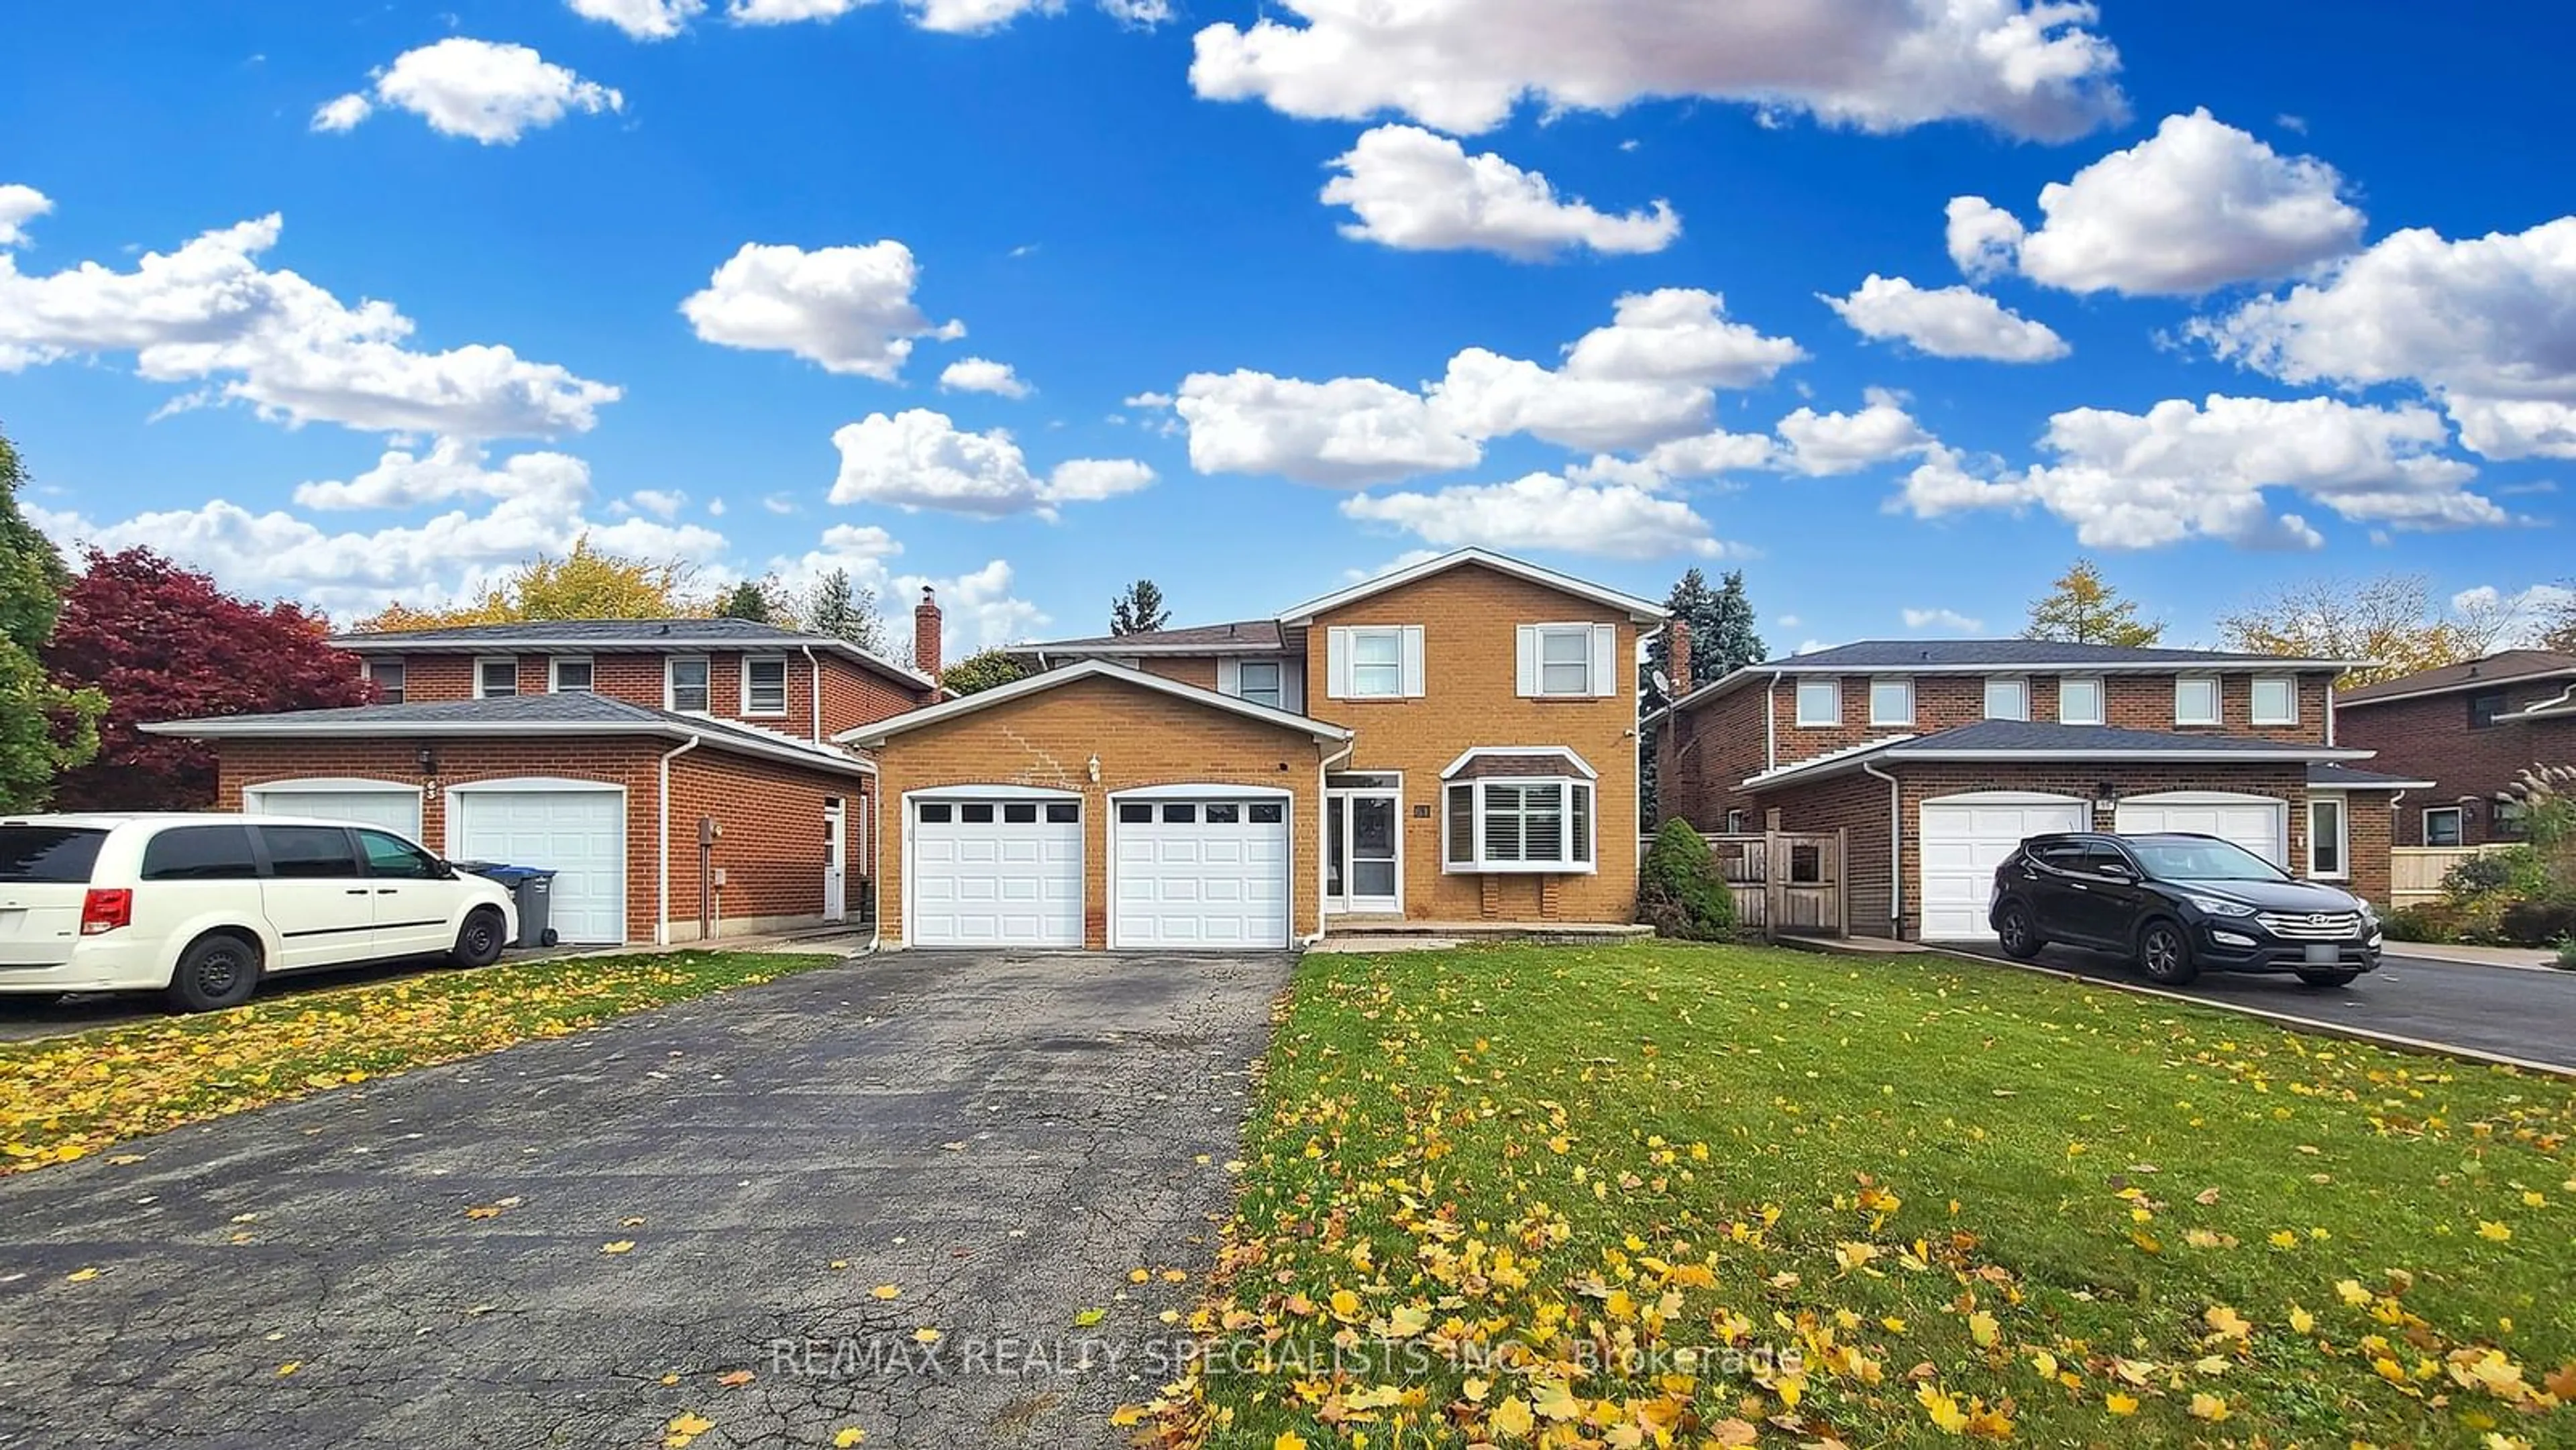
[2469,956]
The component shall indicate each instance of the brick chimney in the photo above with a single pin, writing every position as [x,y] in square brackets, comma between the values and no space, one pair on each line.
[1680,652]
[925,634]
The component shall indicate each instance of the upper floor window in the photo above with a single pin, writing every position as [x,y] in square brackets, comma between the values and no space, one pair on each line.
[2196,700]
[684,684]
[1891,702]
[764,686]
[2276,700]
[2484,707]
[495,678]
[1377,662]
[1567,661]
[1820,702]
[1373,661]
[1258,682]
[2007,698]
[2079,700]
[571,673]
[2442,826]
[388,678]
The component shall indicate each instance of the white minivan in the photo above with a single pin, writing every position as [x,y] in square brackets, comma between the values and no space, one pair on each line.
[201,907]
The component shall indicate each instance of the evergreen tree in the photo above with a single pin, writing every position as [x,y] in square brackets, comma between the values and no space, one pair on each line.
[45,729]
[747,600]
[982,671]
[845,610]
[1721,624]
[2080,608]
[1138,611]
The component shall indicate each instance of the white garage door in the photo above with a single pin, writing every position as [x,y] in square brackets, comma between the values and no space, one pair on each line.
[995,871]
[2260,824]
[1965,838]
[394,809]
[1205,873]
[577,833]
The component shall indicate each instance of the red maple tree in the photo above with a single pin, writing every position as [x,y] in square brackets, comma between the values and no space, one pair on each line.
[165,643]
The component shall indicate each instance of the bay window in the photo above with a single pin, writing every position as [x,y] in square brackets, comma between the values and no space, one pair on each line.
[1519,825]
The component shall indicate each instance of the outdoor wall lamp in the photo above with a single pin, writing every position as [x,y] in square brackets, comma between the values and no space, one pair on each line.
[428,761]
[2105,796]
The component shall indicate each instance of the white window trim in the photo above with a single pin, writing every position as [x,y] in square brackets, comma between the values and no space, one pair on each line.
[480,661]
[1905,719]
[751,714]
[1351,684]
[2459,831]
[1279,688]
[1798,703]
[2020,684]
[554,673]
[2255,704]
[671,690]
[2343,838]
[2217,699]
[1477,865]
[2101,700]
[1538,683]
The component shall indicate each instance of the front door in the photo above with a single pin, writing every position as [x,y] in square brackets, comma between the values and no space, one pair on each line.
[836,855]
[1363,866]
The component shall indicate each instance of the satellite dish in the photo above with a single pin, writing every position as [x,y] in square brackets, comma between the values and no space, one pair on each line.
[1663,686]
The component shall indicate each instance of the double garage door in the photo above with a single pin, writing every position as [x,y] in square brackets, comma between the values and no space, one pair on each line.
[1187,870]
[1966,837]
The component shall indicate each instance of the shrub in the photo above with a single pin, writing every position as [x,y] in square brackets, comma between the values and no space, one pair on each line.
[2567,953]
[2426,923]
[2539,923]
[1679,892]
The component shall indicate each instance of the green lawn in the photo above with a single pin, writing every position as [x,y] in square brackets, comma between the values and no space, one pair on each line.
[1533,1195]
[64,1097]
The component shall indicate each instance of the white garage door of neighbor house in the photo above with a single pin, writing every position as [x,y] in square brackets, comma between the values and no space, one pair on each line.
[1201,873]
[1965,838]
[389,809]
[578,834]
[995,871]
[2257,823]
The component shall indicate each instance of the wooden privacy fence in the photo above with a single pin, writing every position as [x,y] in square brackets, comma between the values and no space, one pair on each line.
[1786,883]
[2415,872]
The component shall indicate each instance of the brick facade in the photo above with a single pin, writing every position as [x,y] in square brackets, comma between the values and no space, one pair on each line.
[771,812]
[1141,737]
[2428,738]
[853,695]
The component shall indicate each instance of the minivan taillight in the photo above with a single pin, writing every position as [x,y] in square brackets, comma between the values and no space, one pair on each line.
[104,911]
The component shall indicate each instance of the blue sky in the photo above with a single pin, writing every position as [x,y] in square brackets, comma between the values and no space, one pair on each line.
[2326,327]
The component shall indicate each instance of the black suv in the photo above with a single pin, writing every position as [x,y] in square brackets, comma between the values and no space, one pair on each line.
[2179,904]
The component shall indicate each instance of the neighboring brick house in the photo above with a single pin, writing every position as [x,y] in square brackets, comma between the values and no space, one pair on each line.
[1937,757]
[2468,731]
[601,749]
[1452,741]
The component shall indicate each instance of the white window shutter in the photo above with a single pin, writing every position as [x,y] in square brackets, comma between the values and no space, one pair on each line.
[1229,676]
[1412,657]
[1605,660]
[1292,686]
[1337,663]
[1528,651]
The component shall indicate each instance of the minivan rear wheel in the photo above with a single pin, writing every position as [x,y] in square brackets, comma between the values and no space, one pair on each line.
[479,940]
[2164,953]
[218,970]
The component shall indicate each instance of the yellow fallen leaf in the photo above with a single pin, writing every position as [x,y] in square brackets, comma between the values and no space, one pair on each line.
[80,1276]
[734,1378]
[2489,1229]
[925,1335]
[288,1368]
[888,1291]
[2301,1320]
[618,1247]
[2120,1404]
[850,1435]
[2209,1407]
[1288,1440]
[1512,1419]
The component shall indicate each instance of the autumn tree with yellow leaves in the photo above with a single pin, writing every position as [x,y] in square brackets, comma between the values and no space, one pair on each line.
[586,583]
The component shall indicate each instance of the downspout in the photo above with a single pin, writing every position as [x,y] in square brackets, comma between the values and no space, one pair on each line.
[662,890]
[1771,723]
[876,861]
[816,666]
[1895,847]
[1323,768]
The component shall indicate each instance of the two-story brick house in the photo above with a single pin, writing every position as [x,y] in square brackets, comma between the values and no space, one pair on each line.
[1937,757]
[678,775]
[2469,731]
[1452,741]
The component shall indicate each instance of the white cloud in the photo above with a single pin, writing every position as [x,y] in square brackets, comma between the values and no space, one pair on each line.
[1941,621]
[452,469]
[661,503]
[209,312]
[18,206]
[2180,470]
[441,559]
[1706,455]
[1545,511]
[957,17]
[918,459]
[983,375]
[977,609]
[491,92]
[1405,560]
[715,508]
[1418,191]
[1826,443]
[779,503]
[1150,400]
[847,308]
[1788,621]
[786,12]
[342,113]
[1946,321]
[1346,432]
[2487,324]
[2198,205]
[1464,65]
[2523,613]
[642,19]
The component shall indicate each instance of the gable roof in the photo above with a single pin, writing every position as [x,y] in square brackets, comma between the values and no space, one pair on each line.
[558,636]
[2503,668]
[1643,611]
[880,731]
[1245,636]
[576,712]
[1983,656]
[2042,742]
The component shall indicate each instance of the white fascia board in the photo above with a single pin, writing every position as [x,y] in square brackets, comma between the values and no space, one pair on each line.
[884,730]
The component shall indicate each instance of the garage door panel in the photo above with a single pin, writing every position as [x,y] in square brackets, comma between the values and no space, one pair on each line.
[580,835]
[397,811]
[1961,845]
[1201,874]
[2261,827]
[996,881]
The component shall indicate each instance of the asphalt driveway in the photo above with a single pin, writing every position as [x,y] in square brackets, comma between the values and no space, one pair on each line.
[1007,1139]
[2514,1012]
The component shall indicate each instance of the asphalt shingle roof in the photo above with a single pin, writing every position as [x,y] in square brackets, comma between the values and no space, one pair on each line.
[2495,669]
[622,631]
[1251,636]
[2047,735]
[576,707]
[2333,773]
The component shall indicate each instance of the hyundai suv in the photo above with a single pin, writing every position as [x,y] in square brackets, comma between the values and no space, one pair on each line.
[2179,905]
[202,907]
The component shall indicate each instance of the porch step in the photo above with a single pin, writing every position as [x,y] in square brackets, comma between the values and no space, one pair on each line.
[1396,928]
